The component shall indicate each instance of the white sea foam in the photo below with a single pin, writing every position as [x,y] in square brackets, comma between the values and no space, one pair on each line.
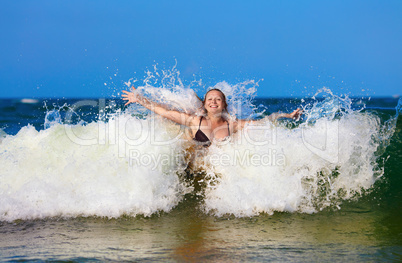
[270,168]
[56,172]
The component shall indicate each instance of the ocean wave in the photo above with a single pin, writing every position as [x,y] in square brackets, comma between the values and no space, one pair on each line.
[69,171]
[133,163]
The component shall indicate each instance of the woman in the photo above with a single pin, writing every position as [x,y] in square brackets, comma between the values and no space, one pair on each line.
[213,125]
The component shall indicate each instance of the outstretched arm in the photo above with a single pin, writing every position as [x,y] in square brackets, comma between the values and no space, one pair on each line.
[173,115]
[294,115]
[274,116]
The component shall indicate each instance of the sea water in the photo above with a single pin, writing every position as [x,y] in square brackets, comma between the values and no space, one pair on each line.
[92,180]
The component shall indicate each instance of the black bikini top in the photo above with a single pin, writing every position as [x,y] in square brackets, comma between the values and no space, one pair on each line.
[201,137]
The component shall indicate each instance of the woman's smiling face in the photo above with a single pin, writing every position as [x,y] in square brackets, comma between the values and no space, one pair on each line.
[215,102]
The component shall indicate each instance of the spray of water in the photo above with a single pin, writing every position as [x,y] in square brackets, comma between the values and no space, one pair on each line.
[131,162]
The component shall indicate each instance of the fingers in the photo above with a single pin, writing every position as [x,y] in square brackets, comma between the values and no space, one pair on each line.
[126,96]
[125,91]
[296,113]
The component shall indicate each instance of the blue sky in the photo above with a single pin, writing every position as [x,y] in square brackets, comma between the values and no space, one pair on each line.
[73,48]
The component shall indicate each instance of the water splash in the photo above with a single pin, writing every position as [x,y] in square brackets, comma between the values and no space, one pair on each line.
[167,88]
[330,107]
[52,118]
[399,107]
[330,157]
[130,162]
[75,170]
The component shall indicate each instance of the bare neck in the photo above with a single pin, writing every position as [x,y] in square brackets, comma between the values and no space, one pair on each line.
[215,118]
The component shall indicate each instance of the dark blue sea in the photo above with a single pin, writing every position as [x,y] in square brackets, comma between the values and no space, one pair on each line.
[91,180]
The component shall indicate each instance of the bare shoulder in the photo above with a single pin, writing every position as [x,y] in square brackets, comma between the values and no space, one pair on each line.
[194,120]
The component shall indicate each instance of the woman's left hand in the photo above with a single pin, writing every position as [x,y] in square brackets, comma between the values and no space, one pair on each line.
[296,114]
[131,97]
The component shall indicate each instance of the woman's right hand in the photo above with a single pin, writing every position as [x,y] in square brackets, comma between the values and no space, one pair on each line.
[131,97]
